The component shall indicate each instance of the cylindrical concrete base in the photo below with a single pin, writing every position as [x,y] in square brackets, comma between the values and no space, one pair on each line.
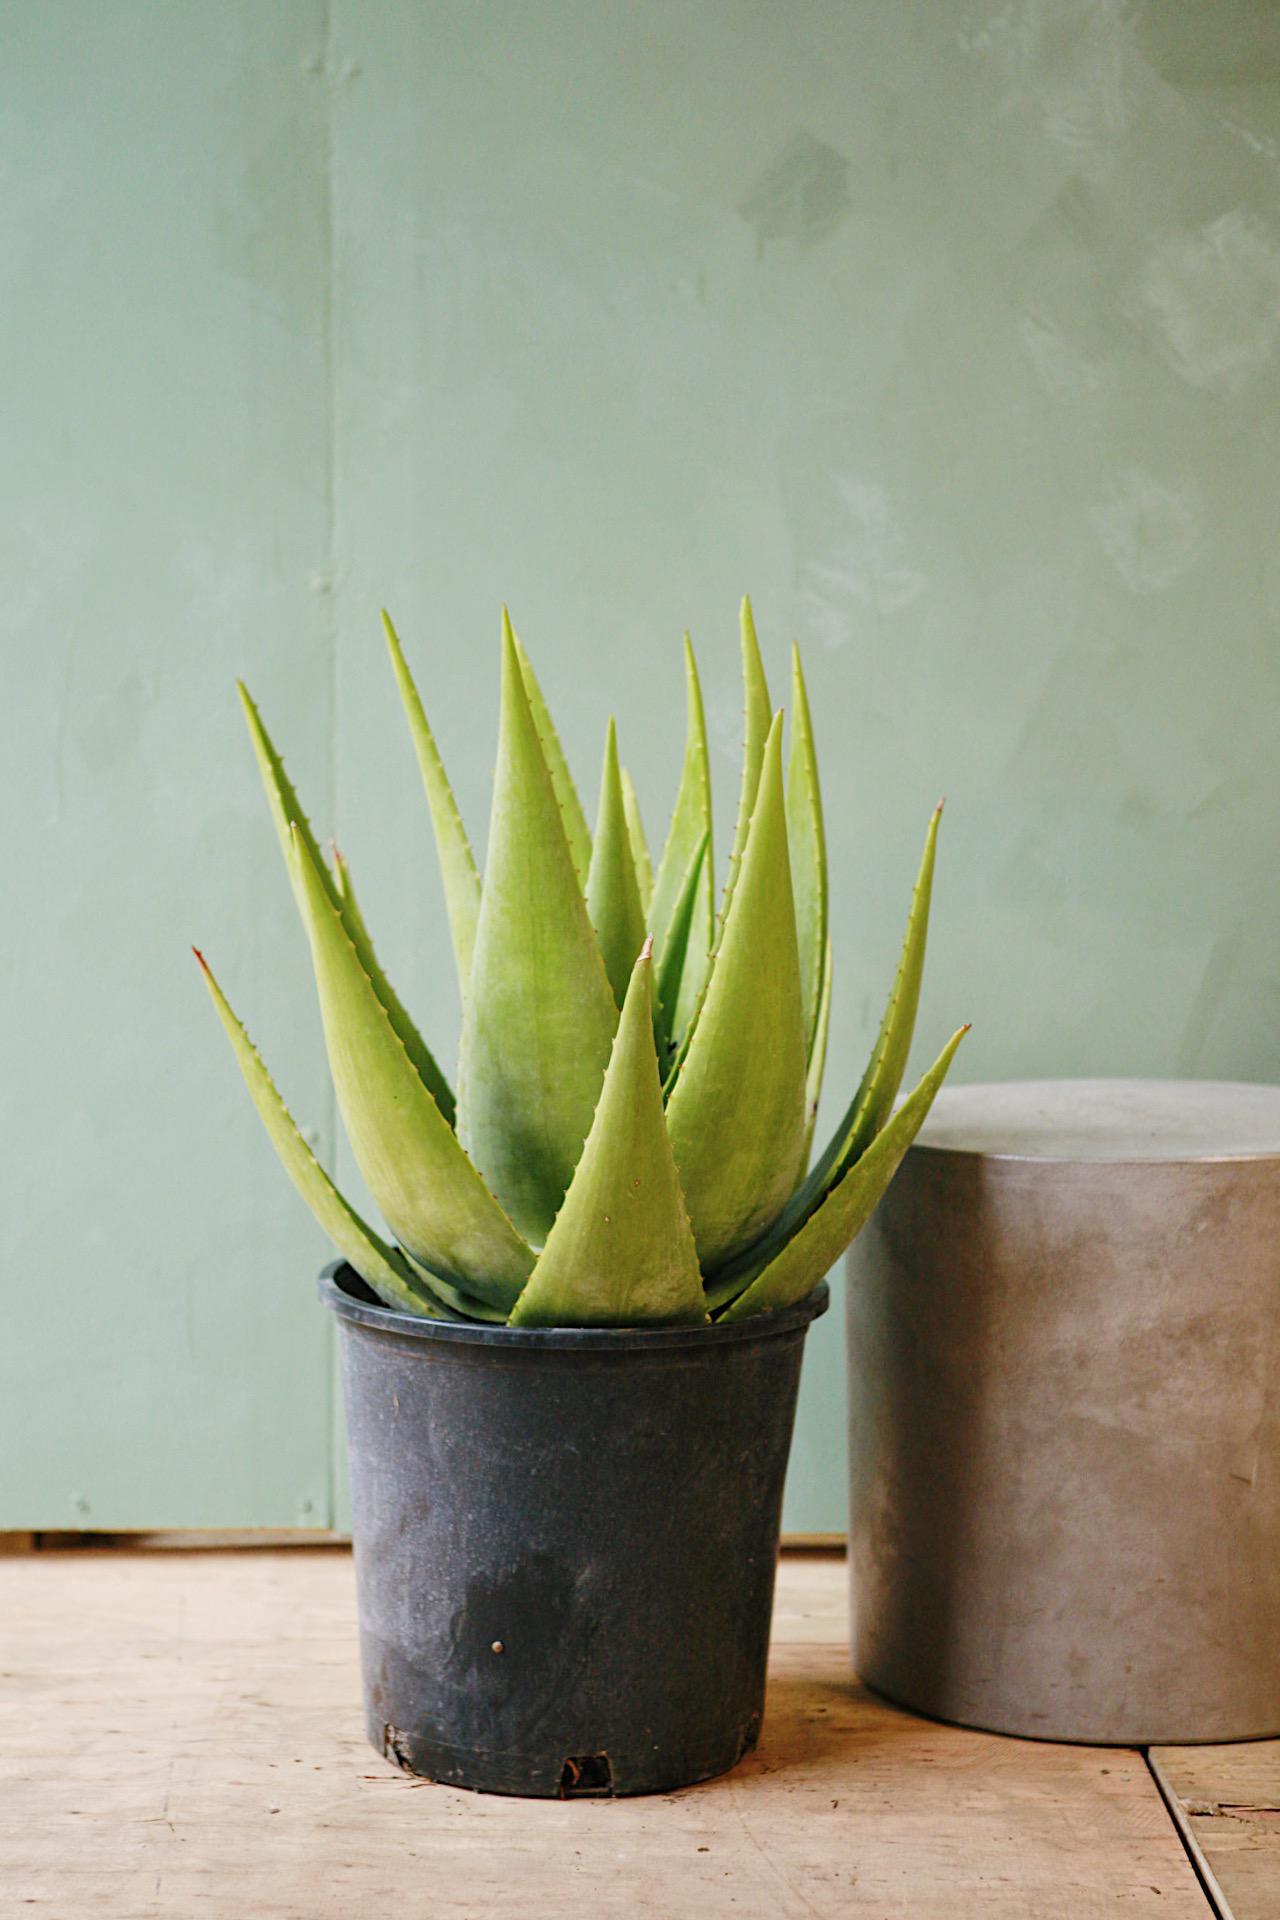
[1064,1354]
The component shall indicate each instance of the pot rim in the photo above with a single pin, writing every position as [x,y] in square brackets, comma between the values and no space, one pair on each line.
[336,1294]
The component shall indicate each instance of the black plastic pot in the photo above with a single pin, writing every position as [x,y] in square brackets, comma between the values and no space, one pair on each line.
[565,1542]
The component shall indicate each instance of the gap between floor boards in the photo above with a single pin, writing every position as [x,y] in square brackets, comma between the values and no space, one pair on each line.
[1191,1846]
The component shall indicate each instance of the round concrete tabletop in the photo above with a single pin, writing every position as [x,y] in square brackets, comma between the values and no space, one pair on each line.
[1107,1120]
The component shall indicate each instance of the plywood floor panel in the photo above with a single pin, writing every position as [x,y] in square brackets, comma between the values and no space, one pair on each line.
[180,1735]
[1227,1800]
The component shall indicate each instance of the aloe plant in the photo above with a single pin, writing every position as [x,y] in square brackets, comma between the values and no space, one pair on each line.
[640,1064]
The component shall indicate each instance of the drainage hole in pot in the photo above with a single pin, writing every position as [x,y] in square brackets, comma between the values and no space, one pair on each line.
[586,1773]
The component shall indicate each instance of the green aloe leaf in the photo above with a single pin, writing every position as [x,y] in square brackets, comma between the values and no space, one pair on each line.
[756,722]
[354,922]
[576,829]
[430,1193]
[286,810]
[873,1102]
[818,1052]
[808,850]
[676,950]
[737,1110]
[381,1267]
[540,1017]
[878,1089]
[282,797]
[639,845]
[756,728]
[613,896]
[621,1252]
[465,1306]
[690,827]
[819,1243]
[458,872]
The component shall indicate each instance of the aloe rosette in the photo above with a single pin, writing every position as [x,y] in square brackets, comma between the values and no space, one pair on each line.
[640,1064]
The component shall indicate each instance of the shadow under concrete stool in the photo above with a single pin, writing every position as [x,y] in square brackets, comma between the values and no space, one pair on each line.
[1064,1366]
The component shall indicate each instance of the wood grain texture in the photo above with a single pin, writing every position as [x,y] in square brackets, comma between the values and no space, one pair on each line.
[180,1734]
[1226,1799]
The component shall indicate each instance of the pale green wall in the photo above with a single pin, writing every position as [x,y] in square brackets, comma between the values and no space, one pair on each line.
[948,331]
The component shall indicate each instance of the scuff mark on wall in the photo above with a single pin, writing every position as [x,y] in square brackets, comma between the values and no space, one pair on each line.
[1215,983]
[1152,532]
[863,559]
[1213,300]
[1262,144]
[1070,64]
[802,195]
[1060,366]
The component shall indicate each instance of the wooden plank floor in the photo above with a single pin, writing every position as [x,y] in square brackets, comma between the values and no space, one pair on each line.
[180,1735]
[1227,1802]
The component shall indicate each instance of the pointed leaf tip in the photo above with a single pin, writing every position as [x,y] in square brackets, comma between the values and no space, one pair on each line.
[540,1014]
[683,950]
[756,723]
[737,1109]
[296,838]
[639,845]
[459,875]
[574,820]
[620,1251]
[808,842]
[873,1101]
[613,892]
[384,1268]
[875,1097]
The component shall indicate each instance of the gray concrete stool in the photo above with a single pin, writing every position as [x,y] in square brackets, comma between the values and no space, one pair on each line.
[1064,1366]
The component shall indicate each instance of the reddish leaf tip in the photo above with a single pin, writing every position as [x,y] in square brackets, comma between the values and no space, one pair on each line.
[204,965]
[509,654]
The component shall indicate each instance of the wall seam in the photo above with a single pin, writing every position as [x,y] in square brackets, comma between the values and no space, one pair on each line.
[329,603]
